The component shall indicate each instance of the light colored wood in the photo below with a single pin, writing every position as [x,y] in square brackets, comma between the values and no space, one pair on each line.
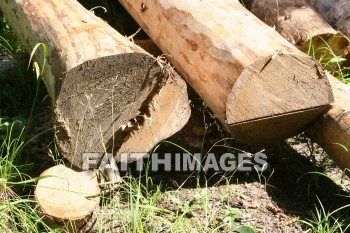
[301,25]
[98,80]
[219,46]
[336,12]
[68,198]
[332,131]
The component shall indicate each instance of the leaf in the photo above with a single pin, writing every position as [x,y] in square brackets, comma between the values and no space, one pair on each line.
[36,47]
[176,200]
[245,229]
[337,59]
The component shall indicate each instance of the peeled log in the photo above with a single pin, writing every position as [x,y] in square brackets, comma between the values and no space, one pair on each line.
[253,80]
[301,25]
[332,131]
[336,12]
[68,198]
[102,85]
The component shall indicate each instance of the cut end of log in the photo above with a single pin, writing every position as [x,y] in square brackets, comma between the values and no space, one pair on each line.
[275,128]
[173,102]
[100,96]
[67,197]
[273,95]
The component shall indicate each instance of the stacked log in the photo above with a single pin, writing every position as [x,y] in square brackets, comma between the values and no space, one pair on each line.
[301,25]
[337,13]
[103,87]
[252,78]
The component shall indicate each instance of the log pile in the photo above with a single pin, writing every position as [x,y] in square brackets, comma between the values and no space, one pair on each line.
[236,64]
[110,95]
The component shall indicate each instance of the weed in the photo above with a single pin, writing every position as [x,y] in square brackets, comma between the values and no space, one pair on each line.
[326,222]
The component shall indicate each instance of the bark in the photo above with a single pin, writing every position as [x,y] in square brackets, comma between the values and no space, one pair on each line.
[301,25]
[101,84]
[252,79]
[336,12]
[332,131]
[68,198]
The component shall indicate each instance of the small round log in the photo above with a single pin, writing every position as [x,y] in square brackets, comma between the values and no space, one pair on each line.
[68,198]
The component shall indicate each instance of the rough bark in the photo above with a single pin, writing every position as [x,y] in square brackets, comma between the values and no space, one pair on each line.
[301,25]
[336,12]
[68,198]
[253,79]
[332,131]
[100,83]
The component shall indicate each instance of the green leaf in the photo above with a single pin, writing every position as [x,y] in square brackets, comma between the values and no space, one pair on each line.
[245,229]
[337,60]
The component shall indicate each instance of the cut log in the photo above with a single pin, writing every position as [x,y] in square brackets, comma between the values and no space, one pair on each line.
[101,84]
[68,198]
[336,12]
[301,25]
[252,79]
[332,131]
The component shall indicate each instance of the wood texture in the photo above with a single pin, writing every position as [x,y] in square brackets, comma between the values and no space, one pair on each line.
[332,131]
[98,80]
[336,12]
[64,197]
[217,45]
[301,25]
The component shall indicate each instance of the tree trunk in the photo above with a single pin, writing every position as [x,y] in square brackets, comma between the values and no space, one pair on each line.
[332,131]
[100,83]
[301,25]
[252,79]
[68,198]
[336,12]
